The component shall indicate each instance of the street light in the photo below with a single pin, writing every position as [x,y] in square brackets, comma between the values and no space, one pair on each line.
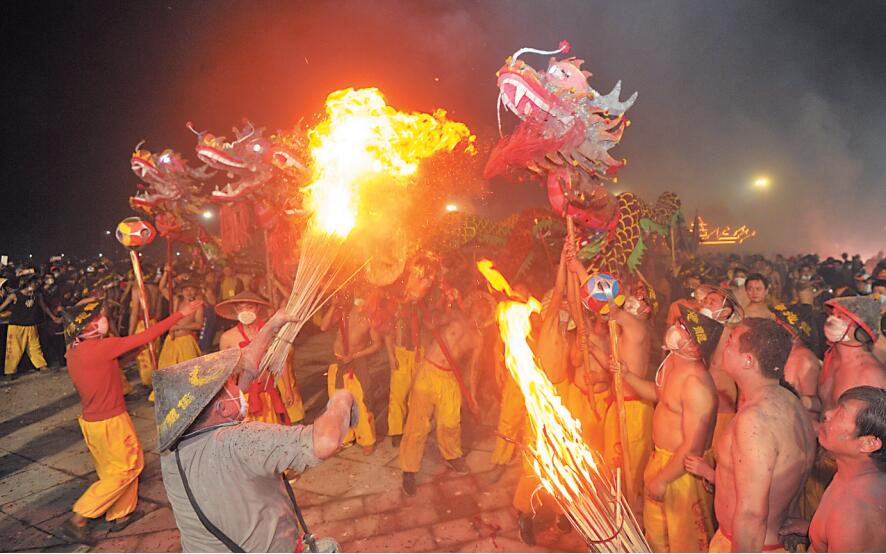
[451,208]
[107,232]
[761,182]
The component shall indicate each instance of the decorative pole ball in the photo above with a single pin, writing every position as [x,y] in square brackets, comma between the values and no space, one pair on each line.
[134,232]
[598,290]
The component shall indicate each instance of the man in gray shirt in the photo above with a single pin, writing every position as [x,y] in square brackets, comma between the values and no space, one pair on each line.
[233,467]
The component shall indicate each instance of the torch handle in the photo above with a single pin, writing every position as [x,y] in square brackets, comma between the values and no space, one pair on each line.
[143,302]
[581,323]
[618,385]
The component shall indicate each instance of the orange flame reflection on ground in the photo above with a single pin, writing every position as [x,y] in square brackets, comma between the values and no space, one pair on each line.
[361,139]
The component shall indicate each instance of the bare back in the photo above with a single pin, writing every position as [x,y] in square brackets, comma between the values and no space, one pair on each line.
[845,368]
[763,460]
[634,343]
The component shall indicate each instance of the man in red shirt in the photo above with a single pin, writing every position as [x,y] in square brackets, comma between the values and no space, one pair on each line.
[105,423]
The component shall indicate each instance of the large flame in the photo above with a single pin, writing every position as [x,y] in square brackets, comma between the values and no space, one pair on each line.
[363,139]
[573,473]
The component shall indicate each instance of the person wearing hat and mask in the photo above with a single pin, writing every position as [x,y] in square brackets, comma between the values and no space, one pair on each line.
[803,365]
[851,329]
[222,474]
[634,346]
[181,342]
[266,402]
[721,305]
[94,370]
[768,450]
[851,515]
[676,507]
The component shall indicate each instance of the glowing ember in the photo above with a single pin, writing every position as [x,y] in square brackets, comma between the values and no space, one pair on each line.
[362,139]
[573,473]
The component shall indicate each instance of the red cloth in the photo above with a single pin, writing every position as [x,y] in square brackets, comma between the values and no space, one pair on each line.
[95,371]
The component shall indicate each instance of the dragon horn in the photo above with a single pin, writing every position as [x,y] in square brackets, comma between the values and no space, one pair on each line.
[248,125]
[190,125]
[139,145]
[563,49]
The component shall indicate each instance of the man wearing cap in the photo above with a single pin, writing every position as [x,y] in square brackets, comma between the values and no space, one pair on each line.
[851,328]
[106,426]
[223,474]
[803,366]
[181,342]
[676,508]
[251,311]
[768,450]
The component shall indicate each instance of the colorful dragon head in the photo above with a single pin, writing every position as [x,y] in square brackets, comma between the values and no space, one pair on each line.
[167,177]
[566,131]
[249,159]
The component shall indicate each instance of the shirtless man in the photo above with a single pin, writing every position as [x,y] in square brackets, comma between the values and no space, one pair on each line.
[181,342]
[851,515]
[634,346]
[757,287]
[723,307]
[803,366]
[137,325]
[766,454]
[583,392]
[851,328]
[437,391]
[351,373]
[676,509]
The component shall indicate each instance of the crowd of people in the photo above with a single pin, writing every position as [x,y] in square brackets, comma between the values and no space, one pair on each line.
[762,427]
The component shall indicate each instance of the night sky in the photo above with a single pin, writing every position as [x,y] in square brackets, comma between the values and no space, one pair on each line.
[795,91]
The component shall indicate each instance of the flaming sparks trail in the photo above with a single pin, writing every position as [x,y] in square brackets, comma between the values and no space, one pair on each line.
[573,473]
[361,141]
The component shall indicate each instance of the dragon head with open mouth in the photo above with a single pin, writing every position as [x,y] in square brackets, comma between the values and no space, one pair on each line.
[248,160]
[166,178]
[566,131]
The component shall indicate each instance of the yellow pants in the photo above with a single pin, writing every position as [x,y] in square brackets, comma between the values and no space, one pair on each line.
[719,543]
[401,383]
[683,521]
[364,432]
[21,339]
[297,410]
[435,393]
[178,350]
[143,360]
[511,421]
[638,417]
[724,419]
[118,460]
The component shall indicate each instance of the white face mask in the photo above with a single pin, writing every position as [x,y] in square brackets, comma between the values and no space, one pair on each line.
[739,281]
[713,314]
[243,403]
[805,277]
[246,318]
[632,306]
[835,329]
[674,339]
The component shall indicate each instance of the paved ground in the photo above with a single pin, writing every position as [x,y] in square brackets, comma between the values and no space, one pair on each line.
[45,466]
